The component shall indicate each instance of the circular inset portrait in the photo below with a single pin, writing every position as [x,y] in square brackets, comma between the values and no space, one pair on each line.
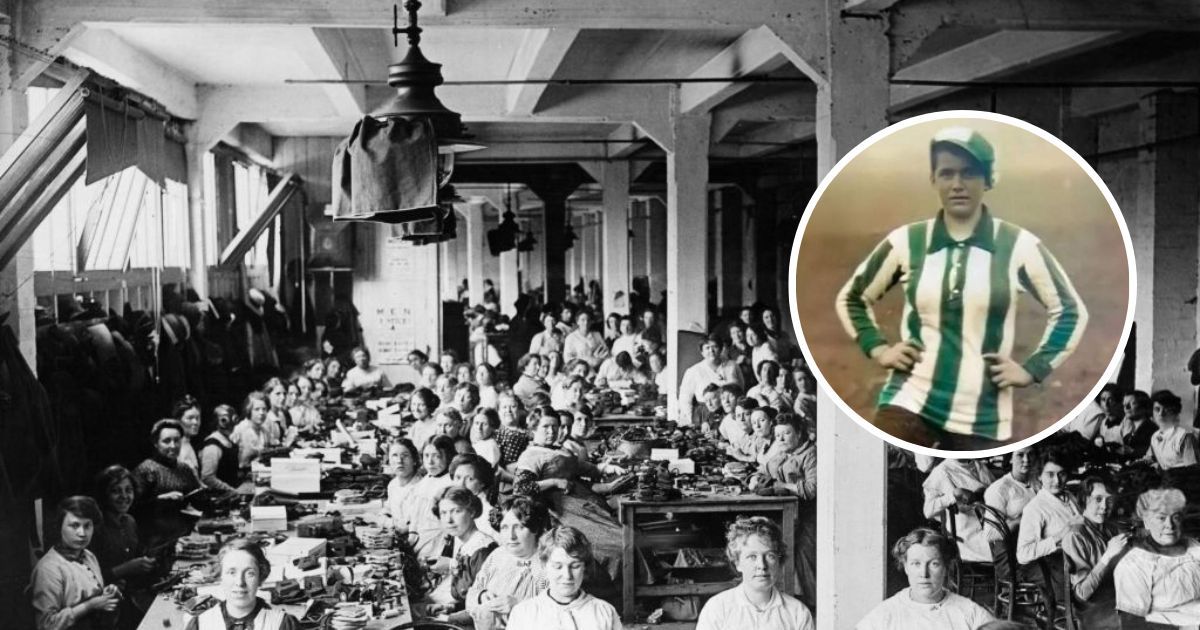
[962,283]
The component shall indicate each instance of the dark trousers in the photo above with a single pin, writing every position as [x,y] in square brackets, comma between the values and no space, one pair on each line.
[912,428]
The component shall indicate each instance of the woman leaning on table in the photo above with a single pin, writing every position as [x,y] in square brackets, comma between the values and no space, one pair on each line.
[244,568]
[926,557]
[163,485]
[512,573]
[116,544]
[755,548]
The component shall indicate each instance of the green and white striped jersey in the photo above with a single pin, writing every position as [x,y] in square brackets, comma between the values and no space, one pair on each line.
[960,303]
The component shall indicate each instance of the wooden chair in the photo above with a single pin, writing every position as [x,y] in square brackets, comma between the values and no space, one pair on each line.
[971,576]
[1011,593]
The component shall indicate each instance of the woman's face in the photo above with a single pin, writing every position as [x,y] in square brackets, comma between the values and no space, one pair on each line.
[752,337]
[575,393]
[519,540]
[168,443]
[581,427]
[759,563]
[565,574]
[457,519]
[737,336]
[334,369]
[1053,478]
[76,532]
[770,320]
[276,396]
[742,417]
[1164,418]
[1110,403]
[447,363]
[1020,463]
[446,425]
[926,573]
[120,496]
[1165,527]
[786,436]
[508,411]
[443,388]
[760,423]
[483,376]
[463,400]
[418,408]
[304,389]
[481,429]
[728,401]
[1099,504]
[429,376]
[240,578]
[546,432]
[190,420]
[465,476]
[361,359]
[464,373]
[291,397]
[534,368]
[400,459]
[317,371]
[434,461]
[258,411]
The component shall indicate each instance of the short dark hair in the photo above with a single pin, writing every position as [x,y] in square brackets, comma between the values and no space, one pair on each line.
[747,403]
[484,471]
[408,445]
[733,388]
[791,420]
[1090,482]
[771,367]
[79,506]
[163,425]
[524,361]
[1111,388]
[183,404]
[493,418]
[107,479]
[250,547]
[459,496]
[421,356]
[925,536]
[1168,401]
[531,512]
[445,446]
[432,401]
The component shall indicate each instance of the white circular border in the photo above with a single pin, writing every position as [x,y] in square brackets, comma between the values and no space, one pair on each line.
[1114,363]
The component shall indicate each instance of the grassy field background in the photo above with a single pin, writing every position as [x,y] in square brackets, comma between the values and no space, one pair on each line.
[1038,188]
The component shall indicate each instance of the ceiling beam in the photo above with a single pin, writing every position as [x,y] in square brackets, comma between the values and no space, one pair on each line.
[912,21]
[996,55]
[109,55]
[792,105]
[330,54]
[532,149]
[757,51]
[625,141]
[604,14]
[761,141]
[541,53]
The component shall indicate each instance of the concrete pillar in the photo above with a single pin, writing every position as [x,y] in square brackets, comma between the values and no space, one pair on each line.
[1167,183]
[197,228]
[596,247]
[535,270]
[476,247]
[733,248]
[638,224]
[852,549]
[17,298]
[687,224]
[750,246]
[615,279]
[553,194]
[507,284]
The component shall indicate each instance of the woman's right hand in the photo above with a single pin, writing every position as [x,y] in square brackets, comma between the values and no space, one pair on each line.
[500,604]
[107,602]
[1115,547]
[899,356]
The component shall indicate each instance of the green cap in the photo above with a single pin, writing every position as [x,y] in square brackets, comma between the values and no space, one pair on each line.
[970,141]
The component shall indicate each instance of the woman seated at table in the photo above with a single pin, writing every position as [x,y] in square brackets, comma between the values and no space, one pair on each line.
[253,435]
[279,418]
[463,550]
[115,543]
[1012,492]
[792,469]
[570,394]
[926,557]
[485,380]
[755,446]
[404,460]
[556,475]
[187,412]
[1173,445]
[163,485]
[755,548]
[484,426]
[420,409]
[1093,549]
[566,557]
[1159,576]
[303,410]
[960,482]
[618,371]
[477,475]
[1050,514]
[219,466]
[333,376]
[512,573]
[769,391]
[244,568]
[448,421]
[512,438]
[67,584]
[735,426]
[363,375]
[466,399]
[418,511]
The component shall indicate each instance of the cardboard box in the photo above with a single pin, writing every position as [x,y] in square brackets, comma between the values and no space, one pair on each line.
[268,518]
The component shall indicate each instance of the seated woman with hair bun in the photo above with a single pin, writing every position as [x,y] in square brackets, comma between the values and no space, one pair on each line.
[243,569]
[164,483]
[755,549]
[512,573]
[1159,577]
[463,552]
[926,557]
[1172,445]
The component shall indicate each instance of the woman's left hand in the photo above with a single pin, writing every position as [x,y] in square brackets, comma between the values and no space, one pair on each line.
[1006,372]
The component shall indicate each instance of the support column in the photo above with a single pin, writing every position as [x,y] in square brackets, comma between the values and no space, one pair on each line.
[852,549]
[476,248]
[1167,183]
[687,227]
[656,252]
[596,247]
[197,227]
[615,279]
[553,193]
[508,283]
[733,248]
[17,298]
[748,221]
